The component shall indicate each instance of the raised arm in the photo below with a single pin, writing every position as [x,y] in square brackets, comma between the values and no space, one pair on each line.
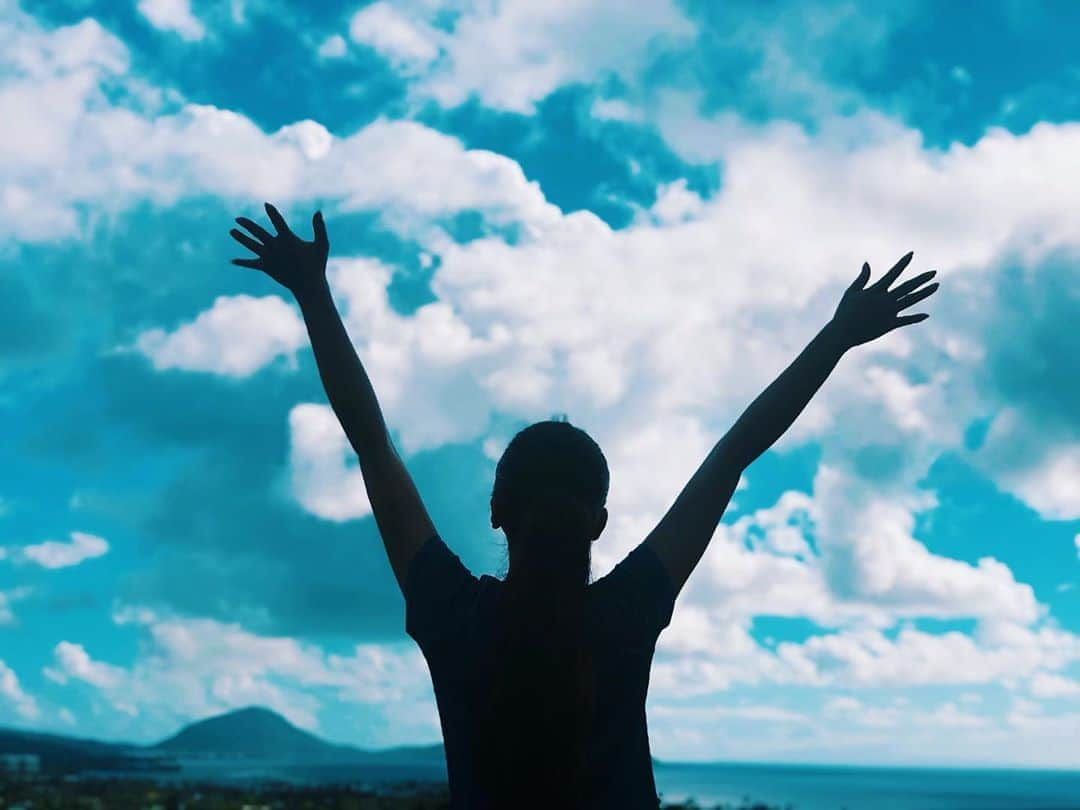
[300,266]
[864,313]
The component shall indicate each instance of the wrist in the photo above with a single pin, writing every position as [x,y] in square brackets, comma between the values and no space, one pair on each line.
[311,289]
[832,334]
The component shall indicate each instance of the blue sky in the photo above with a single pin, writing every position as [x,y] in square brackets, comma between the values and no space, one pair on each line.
[635,220]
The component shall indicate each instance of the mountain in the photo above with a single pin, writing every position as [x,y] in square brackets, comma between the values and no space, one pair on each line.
[250,733]
[259,733]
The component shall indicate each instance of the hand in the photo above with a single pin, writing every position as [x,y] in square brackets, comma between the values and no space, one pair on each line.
[865,313]
[289,260]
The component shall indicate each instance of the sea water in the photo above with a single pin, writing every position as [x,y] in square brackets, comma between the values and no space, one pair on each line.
[807,787]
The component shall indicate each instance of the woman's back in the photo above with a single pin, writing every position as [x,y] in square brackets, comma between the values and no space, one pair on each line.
[452,615]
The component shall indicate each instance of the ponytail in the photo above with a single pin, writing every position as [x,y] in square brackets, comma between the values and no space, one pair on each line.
[534,725]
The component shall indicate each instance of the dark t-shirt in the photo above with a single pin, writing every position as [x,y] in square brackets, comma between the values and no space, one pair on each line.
[450,614]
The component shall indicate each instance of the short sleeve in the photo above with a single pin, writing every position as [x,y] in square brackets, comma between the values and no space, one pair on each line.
[439,594]
[638,595]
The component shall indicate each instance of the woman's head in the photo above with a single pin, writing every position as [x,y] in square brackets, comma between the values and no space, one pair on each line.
[533,727]
[545,461]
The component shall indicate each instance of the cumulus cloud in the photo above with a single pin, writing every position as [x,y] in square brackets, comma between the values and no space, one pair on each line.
[173,15]
[73,662]
[512,54]
[870,554]
[56,554]
[409,44]
[1049,685]
[236,337]
[1037,469]
[188,669]
[326,478]
[9,597]
[155,147]
[333,47]
[864,659]
[14,696]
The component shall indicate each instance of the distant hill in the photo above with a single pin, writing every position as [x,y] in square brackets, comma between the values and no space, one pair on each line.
[259,733]
[60,753]
[250,733]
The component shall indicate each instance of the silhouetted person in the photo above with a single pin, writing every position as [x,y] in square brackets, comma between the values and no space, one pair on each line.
[541,678]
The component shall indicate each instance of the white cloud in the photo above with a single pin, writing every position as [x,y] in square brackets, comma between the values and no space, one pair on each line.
[12,694]
[1049,685]
[333,47]
[870,554]
[841,557]
[949,715]
[868,658]
[60,156]
[326,478]
[757,712]
[512,54]
[188,669]
[1042,473]
[74,662]
[676,203]
[408,43]
[1030,724]
[55,554]
[855,711]
[433,351]
[615,109]
[173,15]
[7,598]
[236,337]
[703,653]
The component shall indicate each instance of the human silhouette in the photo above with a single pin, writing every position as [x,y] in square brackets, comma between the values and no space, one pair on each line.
[541,678]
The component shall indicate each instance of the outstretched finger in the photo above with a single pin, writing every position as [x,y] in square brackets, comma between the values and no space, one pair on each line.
[862,278]
[258,230]
[904,320]
[319,226]
[913,298]
[894,271]
[277,219]
[255,247]
[253,263]
[912,283]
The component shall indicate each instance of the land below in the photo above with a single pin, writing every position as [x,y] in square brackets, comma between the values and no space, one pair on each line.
[233,760]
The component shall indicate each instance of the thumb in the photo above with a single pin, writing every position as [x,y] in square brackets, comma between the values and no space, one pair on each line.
[319,226]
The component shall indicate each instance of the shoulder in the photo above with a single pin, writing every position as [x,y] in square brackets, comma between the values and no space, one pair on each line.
[434,561]
[440,591]
[641,565]
[637,594]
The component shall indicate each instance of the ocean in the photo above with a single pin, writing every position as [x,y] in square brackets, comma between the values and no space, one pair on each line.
[810,787]
[800,787]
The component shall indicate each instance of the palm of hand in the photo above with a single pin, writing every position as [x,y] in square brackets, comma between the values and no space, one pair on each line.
[865,313]
[291,261]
